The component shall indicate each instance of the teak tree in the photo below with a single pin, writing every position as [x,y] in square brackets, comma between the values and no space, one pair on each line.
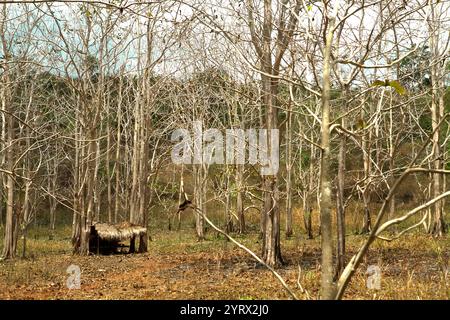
[270,53]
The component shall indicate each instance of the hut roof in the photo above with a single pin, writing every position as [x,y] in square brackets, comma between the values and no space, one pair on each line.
[118,232]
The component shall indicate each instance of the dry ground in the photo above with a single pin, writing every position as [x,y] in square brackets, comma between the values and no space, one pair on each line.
[179,267]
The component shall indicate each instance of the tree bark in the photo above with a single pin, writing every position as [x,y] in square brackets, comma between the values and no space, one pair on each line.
[438,227]
[340,212]
[199,201]
[289,168]
[328,287]
[240,198]
[10,237]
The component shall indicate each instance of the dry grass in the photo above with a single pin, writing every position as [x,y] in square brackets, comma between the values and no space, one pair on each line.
[120,232]
[178,267]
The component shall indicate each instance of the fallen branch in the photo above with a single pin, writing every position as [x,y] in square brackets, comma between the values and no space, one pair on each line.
[411,213]
[404,231]
[302,290]
[276,274]
[351,267]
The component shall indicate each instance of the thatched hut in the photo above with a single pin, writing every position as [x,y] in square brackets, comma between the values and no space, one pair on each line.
[107,238]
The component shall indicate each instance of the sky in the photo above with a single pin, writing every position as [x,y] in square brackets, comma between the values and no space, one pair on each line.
[195,45]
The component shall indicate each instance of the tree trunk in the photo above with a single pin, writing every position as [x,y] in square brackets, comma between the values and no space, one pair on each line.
[240,197]
[26,214]
[438,227]
[10,238]
[308,207]
[118,147]
[328,287]
[181,196]
[76,231]
[1,202]
[51,186]
[271,213]
[367,223]
[96,192]
[228,217]
[340,212]
[289,174]
[365,192]
[391,212]
[199,201]
[271,241]
[86,218]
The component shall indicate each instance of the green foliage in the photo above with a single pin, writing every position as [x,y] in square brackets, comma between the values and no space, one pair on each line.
[305,160]
[360,124]
[398,87]
[447,100]
[335,94]
[425,122]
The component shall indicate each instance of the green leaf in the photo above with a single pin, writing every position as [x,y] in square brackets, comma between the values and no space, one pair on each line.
[398,87]
[390,83]
[378,83]
[360,124]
